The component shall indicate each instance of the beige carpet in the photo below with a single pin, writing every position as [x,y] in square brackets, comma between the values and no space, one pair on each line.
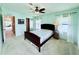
[19,46]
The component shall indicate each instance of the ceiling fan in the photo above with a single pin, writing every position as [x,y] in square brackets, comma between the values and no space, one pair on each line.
[37,8]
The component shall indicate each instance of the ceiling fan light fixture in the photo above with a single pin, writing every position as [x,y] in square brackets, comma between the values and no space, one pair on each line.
[36,9]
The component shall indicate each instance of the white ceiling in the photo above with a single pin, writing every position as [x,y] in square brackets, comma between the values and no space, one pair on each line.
[50,7]
[55,7]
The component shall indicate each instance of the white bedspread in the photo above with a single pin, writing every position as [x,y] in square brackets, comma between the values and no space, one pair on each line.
[43,34]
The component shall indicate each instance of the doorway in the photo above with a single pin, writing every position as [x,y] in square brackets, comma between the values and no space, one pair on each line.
[8,27]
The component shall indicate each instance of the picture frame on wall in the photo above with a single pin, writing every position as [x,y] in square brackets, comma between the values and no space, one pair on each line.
[20,21]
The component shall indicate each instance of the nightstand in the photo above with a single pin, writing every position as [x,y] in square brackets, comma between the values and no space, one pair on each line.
[56,35]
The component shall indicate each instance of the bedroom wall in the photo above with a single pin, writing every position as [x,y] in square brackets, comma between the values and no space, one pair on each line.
[48,18]
[19,28]
[75,27]
[78,30]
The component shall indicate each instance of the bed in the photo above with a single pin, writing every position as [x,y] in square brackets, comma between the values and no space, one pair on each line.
[40,37]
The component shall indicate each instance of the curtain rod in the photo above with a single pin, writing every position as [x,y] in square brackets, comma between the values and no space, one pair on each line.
[67,13]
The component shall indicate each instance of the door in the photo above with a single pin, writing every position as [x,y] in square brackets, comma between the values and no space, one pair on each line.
[13,24]
[9,27]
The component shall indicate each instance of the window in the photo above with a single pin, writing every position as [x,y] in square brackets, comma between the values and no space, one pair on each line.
[31,24]
[64,27]
[38,24]
[64,23]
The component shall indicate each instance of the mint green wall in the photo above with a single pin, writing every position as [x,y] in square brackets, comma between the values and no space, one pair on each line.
[75,19]
[0,23]
[78,30]
[0,36]
[0,27]
[75,26]
[49,18]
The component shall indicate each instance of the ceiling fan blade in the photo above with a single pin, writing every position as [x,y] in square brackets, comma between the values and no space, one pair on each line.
[36,8]
[30,4]
[42,12]
[42,9]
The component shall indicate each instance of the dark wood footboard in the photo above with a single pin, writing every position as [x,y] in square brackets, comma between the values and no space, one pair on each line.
[33,38]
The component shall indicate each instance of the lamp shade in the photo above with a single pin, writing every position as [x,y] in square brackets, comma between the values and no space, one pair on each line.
[56,23]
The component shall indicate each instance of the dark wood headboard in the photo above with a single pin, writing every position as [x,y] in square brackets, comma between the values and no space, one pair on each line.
[48,26]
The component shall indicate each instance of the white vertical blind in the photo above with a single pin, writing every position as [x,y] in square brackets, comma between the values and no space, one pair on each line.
[31,24]
[64,27]
[38,24]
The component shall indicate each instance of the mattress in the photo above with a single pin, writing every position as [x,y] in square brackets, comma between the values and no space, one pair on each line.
[43,34]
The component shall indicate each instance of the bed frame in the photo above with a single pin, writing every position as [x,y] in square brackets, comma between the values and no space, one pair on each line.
[36,39]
